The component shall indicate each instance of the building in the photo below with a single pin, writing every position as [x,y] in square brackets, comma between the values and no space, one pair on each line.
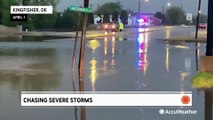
[149,17]
[132,19]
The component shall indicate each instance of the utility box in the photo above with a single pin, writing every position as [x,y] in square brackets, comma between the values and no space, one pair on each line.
[19,28]
[206,64]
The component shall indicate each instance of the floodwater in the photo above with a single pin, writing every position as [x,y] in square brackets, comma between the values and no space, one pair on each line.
[127,62]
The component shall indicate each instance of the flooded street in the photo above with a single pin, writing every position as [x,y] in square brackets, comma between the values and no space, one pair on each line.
[127,62]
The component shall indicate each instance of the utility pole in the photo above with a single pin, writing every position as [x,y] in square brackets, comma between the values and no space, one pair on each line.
[209,45]
[91,6]
[208,105]
[98,6]
[198,18]
[163,9]
[81,58]
[139,6]
[209,52]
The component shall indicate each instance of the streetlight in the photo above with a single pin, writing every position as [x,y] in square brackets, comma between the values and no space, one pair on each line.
[139,6]
[146,0]
[168,4]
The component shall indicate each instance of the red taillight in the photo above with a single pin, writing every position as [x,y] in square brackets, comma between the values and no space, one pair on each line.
[106,26]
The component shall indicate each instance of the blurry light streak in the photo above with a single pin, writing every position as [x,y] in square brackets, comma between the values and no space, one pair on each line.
[105,45]
[113,46]
[93,73]
[113,52]
[141,29]
[167,58]
[168,33]
[142,46]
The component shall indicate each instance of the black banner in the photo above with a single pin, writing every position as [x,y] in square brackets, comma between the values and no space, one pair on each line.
[18,17]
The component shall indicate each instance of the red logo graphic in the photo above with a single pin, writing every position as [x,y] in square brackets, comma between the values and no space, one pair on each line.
[185,99]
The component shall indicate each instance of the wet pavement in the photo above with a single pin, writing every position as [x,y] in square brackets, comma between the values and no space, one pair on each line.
[125,62]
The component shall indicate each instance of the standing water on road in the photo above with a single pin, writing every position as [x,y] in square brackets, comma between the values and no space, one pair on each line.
[133,62]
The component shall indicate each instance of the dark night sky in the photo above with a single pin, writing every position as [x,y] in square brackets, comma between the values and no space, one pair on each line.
[152,6]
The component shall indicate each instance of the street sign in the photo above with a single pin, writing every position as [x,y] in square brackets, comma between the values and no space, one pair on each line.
[189,16]
[98,18]
[80,9]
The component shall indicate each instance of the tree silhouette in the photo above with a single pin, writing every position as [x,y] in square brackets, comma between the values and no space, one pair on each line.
[106,17]
[115,16]
[124,16]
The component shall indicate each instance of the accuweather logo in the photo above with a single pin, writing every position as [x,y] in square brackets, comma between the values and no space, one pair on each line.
[177,112]
[161,111]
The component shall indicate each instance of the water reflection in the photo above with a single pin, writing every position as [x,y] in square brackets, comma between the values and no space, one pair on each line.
[121,37]
[93,73]
[168,33]
[105,53]
[197,54]
[167,57]
[93,44]
[142,48]
[20,38]
[113,52]
[105,45]
[107,62]
[27,69]
[83,113]
[183,76]
[208,104]
[140,30]
[100,60]
[107,41]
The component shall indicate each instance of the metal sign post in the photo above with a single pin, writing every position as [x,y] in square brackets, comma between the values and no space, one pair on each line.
[198,18]
[85,10]
[189,19]
[81,57]
[189,16]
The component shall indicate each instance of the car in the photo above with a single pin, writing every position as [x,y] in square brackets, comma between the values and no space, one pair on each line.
[113,26]
[202,26]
